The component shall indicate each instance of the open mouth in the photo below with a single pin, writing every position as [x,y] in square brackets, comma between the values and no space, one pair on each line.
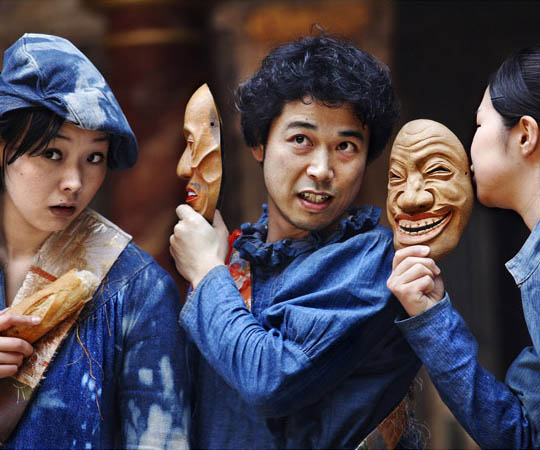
[314,197]
[421,227]
[62,211]
[314,201]
[191,195]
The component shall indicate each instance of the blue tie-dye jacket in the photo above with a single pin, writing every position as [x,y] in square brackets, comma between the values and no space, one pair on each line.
[317,362]
[118,378]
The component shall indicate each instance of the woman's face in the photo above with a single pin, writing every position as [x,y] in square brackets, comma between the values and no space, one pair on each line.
[44,193]
[492,165]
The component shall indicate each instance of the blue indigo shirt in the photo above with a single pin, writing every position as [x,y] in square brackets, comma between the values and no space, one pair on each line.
[118,378]
[317,362]
[495,414]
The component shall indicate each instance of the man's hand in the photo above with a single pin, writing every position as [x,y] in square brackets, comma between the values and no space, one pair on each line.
[196,246]
[14,350]
[415,280]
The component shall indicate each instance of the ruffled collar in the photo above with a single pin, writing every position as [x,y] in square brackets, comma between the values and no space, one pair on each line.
[252,243]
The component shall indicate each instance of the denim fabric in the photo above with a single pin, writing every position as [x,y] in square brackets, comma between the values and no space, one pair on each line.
[41,70]
[495,414]
[118,379]
[317,362]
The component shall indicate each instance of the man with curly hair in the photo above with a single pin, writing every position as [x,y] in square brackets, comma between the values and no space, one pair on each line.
[294,341]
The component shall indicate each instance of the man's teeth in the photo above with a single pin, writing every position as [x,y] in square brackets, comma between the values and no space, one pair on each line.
[314,198]
[420,226]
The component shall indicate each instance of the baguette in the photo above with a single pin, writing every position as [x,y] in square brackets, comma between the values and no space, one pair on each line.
[54,303]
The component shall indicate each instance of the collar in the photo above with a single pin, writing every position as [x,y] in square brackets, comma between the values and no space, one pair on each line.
[527,259]
[252,243]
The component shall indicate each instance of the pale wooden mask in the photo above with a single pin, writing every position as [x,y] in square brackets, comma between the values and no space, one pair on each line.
[201,162]
[430,194]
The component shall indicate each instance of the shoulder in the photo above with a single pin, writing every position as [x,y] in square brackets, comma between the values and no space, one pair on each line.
[135,268]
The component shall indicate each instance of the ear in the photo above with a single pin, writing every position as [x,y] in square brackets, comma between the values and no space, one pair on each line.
[527,129]
[258,153]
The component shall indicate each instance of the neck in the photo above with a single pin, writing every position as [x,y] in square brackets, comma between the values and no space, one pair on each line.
[530,211]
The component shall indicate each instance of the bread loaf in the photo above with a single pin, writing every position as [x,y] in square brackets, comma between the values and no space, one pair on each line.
[54,303]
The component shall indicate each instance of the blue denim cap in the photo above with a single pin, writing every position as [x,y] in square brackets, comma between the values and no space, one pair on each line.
[41,70]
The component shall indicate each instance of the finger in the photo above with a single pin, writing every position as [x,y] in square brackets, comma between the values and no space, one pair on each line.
[8,370]
[8,320]
[412,261]
[15,345]
[11,358]
[413,250]
[219,224]
[183,210]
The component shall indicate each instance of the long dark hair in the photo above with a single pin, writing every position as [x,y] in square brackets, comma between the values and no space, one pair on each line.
[515,87]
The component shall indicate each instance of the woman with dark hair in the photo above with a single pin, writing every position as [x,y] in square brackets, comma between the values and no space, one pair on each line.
[506,164]
[111,374]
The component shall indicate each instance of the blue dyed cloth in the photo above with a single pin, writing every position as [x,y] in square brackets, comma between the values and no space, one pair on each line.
[495,414]
[118,379]
[41,70]
[317,362]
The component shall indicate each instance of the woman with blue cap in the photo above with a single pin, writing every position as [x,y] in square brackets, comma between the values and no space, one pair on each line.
[112,374]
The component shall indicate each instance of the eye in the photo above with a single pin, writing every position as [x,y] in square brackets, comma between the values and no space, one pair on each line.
[53,154]
[438,170]
[300,139]
[346,146]
[96,158]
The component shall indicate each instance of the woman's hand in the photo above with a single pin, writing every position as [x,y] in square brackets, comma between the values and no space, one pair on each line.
[415,280]
[14,350]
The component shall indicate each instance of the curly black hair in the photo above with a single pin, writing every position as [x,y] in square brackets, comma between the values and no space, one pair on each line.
[327,69]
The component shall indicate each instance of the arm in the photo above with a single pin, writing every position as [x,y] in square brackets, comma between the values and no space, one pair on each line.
[489,410]
[310,339]
[152,389]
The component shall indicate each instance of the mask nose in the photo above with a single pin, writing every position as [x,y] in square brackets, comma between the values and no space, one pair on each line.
[184,169]
[415,198]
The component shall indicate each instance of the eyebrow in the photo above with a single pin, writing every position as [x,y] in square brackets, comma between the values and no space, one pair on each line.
[301,124]
[310,126]
[352,133]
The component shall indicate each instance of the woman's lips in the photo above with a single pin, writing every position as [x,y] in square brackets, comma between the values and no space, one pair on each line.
[62,211]
[420,228]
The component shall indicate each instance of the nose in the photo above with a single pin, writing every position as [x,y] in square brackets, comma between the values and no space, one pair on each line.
[184,170]
[320,165]
[71,179]
[415,197]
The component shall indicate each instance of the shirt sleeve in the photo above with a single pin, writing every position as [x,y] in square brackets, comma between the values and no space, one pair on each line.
[152,389]
[303,346]
[488,409]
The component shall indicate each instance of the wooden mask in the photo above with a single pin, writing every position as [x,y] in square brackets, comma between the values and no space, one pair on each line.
[201,163]
[430,195]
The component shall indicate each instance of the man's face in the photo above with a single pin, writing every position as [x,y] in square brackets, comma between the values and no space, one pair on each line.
[313,166]
[430,194]
[201,161]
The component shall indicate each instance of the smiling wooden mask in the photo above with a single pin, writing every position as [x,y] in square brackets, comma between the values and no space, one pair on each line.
[201,163]
[430,194]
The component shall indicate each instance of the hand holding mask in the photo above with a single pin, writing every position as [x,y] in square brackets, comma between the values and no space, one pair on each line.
[201,163]
[430,194]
